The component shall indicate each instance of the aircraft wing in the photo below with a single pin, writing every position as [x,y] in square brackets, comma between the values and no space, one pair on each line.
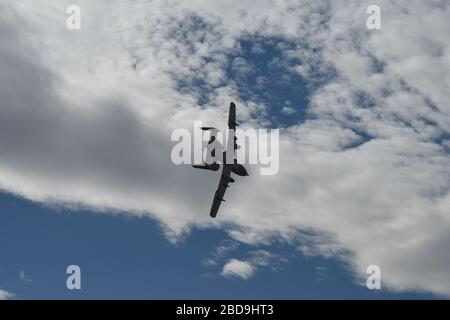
[220,192]
[232,117]
[232,145]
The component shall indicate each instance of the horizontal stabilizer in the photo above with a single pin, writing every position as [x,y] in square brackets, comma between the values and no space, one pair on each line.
[212,167]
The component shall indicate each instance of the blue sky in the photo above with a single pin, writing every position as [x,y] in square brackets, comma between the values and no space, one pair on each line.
[129,258]
[86,177]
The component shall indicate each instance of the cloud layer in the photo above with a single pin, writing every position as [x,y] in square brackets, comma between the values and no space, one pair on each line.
[86,117]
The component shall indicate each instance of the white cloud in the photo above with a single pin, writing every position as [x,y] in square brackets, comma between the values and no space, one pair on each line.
[86,117]
[238,268]
[24,277]
[5,295]
[241,67]
[288,110]
[256,260]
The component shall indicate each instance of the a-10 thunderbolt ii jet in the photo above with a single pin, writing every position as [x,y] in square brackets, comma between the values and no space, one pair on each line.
[228,167]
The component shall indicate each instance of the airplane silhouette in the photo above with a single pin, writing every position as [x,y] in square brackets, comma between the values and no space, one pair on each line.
[227,168]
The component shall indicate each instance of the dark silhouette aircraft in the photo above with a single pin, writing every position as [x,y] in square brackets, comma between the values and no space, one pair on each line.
[227,168]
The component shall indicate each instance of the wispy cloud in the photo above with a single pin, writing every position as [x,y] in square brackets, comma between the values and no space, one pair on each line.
[24,277]
[221,252]
[321,273]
